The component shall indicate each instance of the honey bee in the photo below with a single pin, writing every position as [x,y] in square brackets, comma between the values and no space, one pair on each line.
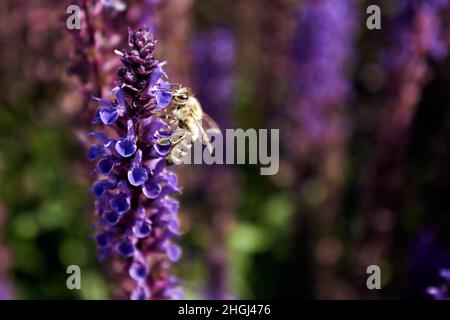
[186,116]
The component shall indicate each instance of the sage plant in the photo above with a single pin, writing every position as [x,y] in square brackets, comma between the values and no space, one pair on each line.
[322,49]
[103,28]
[137,214]
[413,36]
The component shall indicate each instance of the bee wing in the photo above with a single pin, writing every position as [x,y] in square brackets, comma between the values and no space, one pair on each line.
[209,124]
[205,139]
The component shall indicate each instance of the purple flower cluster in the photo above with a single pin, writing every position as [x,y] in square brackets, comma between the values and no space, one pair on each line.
[322,48]
[417,34]
[138,216]
[417,28]
[213,59]
[103,24]
[213,55]
[441,292]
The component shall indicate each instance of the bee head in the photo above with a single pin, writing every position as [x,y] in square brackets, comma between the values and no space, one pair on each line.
[182,95]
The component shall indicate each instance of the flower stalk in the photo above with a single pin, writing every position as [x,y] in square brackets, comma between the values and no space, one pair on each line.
[137,213]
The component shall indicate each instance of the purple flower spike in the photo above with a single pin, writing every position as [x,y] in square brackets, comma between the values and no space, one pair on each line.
[134,184]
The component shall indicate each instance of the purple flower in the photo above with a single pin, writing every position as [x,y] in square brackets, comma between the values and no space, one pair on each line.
[160,88]
[134,184]
[137,175]
[322,49]
[126,146]
[441,292]
[138,271]
[117,5]
[213,55]
[125,248]
[140,293]
[142,228]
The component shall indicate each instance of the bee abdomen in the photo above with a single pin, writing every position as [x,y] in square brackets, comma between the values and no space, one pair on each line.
[181,143]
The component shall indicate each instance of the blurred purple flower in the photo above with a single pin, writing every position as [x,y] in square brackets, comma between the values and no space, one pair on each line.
[117,5]
[213,54]
[213,61]
[137,215]
[322,49]
[441,292]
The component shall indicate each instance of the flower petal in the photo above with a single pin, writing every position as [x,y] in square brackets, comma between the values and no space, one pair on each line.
[173,252]
[102,239]
[106,165]
[138,271]
[125,248]
[140,293]
[163,98]
[120,203]
[163,148]
[100,186]
[95,151]
[137,176]
[126,147]
[108,115]
[151,190]
[142,228]
[111,217]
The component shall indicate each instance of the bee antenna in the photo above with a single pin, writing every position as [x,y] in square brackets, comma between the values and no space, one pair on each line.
[172,84]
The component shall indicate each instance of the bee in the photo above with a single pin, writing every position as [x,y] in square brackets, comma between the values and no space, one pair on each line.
[186,117]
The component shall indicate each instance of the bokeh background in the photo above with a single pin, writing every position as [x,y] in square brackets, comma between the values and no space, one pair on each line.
[364,120]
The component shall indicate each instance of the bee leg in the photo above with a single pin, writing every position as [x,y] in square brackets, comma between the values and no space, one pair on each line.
[177,136]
